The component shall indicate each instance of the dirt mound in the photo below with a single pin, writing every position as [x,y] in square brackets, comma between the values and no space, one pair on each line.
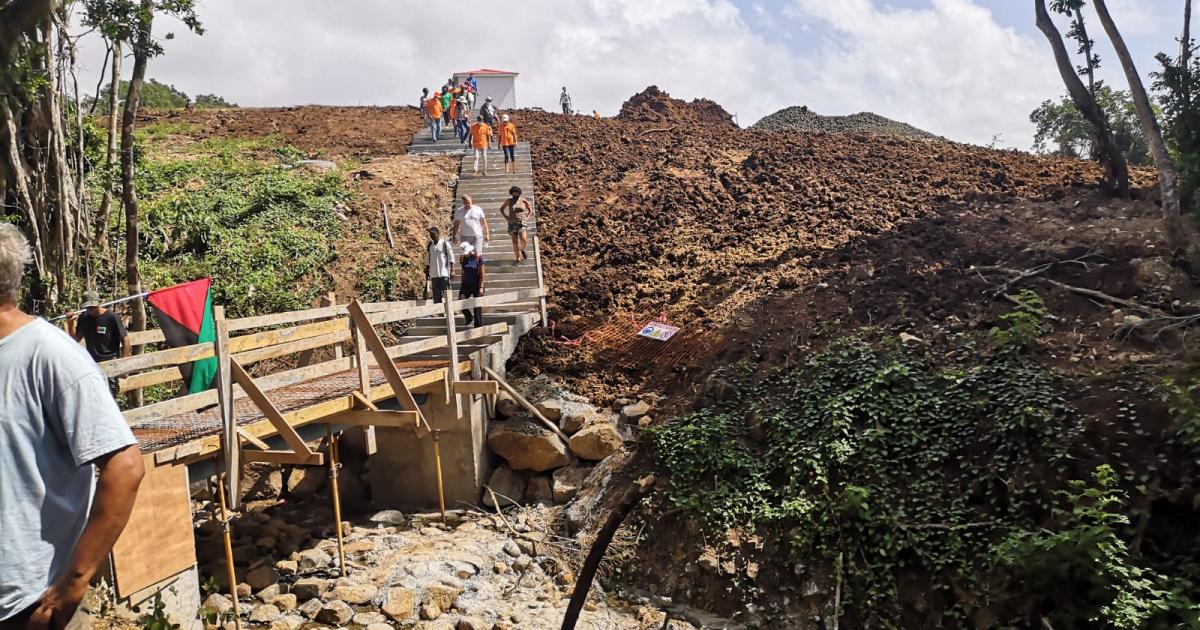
[656,106]
[805,120]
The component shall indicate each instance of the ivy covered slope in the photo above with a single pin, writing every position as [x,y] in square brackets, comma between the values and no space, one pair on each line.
[893,484]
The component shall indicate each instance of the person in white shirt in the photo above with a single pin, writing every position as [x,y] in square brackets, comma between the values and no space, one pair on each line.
[564,99]
[470,225]
[439,263]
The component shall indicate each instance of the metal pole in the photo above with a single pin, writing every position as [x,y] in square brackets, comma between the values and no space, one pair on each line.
[437,459]
[232,576]
[337,499]
[109,303]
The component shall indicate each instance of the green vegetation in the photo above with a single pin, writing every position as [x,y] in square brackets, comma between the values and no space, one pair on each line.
[1062,130]
[382,282]
[898,470]
[234,210]
[157,95]
[1176,86]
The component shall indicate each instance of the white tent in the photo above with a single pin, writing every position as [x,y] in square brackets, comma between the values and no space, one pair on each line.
[501,85]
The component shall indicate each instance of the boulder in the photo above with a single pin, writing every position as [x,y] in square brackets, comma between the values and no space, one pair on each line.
[472,623]
[630,413]
[621,403]
[398,603]
[264,613]
[288,622]
[313,560]
[389,517]
[307,479]
[368,618]
[505,483]
[429,612]
[355,593]
[262,577]
[596,442]
[287,567]
[267,594]
[379,626]
[442,596]
[526,445]
[573,421]
[507,408]
[552,408]
[285,602]
[335,613]
[218,603]
[308,588]
[243,591]
[310,608]
[538,491]
[566,482]
[584,511]
[261,481]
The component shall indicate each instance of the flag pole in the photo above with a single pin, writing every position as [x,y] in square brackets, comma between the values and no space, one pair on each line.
[109,303]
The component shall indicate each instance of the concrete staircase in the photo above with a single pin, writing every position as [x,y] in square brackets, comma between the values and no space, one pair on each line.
[502,276]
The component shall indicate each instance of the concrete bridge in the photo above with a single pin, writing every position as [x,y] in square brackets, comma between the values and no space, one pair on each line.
[402,384]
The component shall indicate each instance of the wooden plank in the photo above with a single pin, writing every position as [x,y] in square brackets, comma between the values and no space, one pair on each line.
[157,542]
[537,259]
[380,418]
[224,395]
[375,344]
[452,346]
[173,356]
[269,411]
[284,457]
[488,388]
[282,335]
[387,225]
[330,299]
[144,337]
[364,401]
[259,444]
[179,452]
[525,403]
[290,317]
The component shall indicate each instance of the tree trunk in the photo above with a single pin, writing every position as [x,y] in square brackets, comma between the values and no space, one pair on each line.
[1171,208]
[1116,172]
[110,155]
[1185,42]
[133,101]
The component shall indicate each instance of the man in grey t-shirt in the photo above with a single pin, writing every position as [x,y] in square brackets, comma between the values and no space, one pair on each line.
[59,427]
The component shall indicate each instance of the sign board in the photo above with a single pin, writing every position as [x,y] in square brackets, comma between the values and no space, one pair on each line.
[659,331]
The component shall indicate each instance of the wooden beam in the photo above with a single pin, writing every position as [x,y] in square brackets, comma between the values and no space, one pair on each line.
[363,401]
[312,458]
[375,344]
[330,299]
[259,444]
[525,403]
[269,411]
[537,259]
[224,395]
[380,418]
[488,388]
[452,345]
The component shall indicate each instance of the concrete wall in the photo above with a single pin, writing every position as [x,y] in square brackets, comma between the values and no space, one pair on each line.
[403,471]
[181,599]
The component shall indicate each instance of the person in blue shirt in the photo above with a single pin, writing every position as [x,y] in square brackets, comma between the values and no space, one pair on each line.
[472,282]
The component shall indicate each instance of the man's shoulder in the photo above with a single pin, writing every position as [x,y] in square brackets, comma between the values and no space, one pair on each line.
[49,346]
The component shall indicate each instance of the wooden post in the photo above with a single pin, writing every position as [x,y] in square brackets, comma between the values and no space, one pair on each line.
[231,444]
[537,259]
[230,574]
[337,499]
[364,385]
[387,225]
[437,460]
[452,346]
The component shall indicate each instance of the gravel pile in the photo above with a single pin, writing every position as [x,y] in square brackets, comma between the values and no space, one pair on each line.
[803,119]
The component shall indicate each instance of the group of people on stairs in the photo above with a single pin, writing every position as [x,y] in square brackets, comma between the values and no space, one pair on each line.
[470,224]
[453,104]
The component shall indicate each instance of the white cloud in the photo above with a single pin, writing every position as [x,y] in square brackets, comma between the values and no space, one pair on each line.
[949,68]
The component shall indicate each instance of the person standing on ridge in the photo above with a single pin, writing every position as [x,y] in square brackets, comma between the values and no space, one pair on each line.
[508,144]
[100,329]
[421,106]
[472,282]
[470,225]
[71,466]
[564,99]
[434,108]
[481,141]
[439,263]
[517,212]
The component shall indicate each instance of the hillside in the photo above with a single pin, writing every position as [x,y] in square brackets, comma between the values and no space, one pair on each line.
[802,119]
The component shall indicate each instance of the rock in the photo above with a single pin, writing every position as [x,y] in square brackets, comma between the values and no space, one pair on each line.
[244,590]
[522,563]
[288,622]
[261,482]
[244,554]
[284,602]
[507,408]
[368,618]
[630,413]
[511,549]
[379,626]
[442,596]
[471,623]
[551,408]
[539,491]
[621,403]
[527,445]
[313,560]
[717,388]
[906,338]
[317,165]
[287,567]
[645,422]
[217,602]
[264,613]
[505,483]
[337,613]
[262,577]
[308,588]
[584,509]
[567,481]
[355,593]
[398,603]
[389,517]
[307,479]
[310,608]
[430,612]
[574,421]
[267,594]
[596,442]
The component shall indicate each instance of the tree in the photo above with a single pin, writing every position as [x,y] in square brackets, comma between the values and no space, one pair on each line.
[1171,209]
[1175,86]
[141,57]
[1062,130]
[1116,171]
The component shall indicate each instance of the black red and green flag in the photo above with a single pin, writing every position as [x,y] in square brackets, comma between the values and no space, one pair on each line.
[184,314]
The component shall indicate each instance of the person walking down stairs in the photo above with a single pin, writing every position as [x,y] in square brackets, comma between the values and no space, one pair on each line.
[517,211]
[439,263]
[481,141]
[472,282]
[433,107]
[508,144]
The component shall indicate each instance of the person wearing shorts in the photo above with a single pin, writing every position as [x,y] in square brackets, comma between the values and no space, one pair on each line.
[481,141]
[508,143]
[517,211]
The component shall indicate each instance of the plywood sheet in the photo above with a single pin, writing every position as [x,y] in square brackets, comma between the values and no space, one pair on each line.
[158,542]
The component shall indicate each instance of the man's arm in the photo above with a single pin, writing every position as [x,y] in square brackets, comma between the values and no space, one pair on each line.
[454,230]
[72,329]
[482,273]
[120,474]
[487,231]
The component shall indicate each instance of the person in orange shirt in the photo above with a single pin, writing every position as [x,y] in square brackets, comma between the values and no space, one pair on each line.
[434,108]
[454,108]
[481,141]
[508,143]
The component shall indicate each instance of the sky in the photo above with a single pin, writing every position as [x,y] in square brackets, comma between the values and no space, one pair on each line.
[970,70]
